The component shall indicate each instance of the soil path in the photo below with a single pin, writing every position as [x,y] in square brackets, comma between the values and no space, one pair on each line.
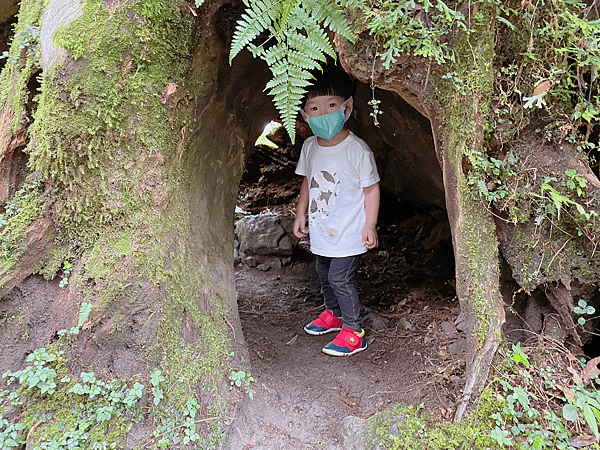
[301,394]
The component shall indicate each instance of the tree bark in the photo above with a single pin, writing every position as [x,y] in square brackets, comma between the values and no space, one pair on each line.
[138,143]
[457,115]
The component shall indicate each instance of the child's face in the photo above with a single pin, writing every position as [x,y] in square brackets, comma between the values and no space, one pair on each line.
[323,104]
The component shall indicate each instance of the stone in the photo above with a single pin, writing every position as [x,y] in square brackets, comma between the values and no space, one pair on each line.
[376,322]
[250,261]
[458,347]
[404,324]
[448,328]
[267,234]
[354,433]
[461,322]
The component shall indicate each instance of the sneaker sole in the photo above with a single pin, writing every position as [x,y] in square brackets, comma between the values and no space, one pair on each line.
[331,352]
[320,333]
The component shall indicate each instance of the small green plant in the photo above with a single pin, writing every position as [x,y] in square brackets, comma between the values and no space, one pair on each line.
[374,103]
[242,380]
[532,415]
[11,435]
[66,271]
[156,378]
[40,376]
[582,309]
[26,40]
[576,182]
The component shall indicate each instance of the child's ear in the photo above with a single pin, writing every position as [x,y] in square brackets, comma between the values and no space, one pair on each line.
[304,115]
[350,104]
[349,108]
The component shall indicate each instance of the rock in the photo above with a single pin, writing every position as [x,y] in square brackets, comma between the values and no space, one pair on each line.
[270,264]
[286,261]
[461,322]
[533,314]
[554,328]
[458,347]
[375,321]
[250,261]
[404,324]
[440,233]
[448,328]
[267,234]
[354,432]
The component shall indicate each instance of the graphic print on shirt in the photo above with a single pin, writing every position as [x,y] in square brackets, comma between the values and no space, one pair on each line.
[324,188]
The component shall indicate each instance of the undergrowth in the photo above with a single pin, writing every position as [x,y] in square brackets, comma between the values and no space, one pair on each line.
[539,397]
[45,407]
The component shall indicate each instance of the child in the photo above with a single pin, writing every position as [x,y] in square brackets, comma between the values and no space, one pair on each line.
[340,192]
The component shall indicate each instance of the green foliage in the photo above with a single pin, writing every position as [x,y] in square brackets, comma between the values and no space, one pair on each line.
[20,212]
[27,43]
[293,40]
[538,410]
[408,427]
[413,28]
[66,270]
[91,413]
[242,380]
[582,309]
[540,399]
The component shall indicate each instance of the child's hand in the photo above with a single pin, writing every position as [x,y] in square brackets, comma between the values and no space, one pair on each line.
[369,236]
[300,227]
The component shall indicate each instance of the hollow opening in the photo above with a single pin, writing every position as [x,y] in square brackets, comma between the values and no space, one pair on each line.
[406,285]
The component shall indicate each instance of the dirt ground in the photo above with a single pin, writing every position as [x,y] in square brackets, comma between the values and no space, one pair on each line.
[415,353]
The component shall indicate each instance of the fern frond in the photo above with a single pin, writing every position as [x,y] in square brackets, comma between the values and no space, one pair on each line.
[287,89]
[327,15]
[288,7]
[274,54]
[299,29]
[259,16]
[352,4]
[315,43]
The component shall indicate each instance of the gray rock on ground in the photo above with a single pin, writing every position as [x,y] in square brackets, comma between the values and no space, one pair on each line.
[266,234]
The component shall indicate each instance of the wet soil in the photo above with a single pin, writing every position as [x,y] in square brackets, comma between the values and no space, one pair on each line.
[415,354]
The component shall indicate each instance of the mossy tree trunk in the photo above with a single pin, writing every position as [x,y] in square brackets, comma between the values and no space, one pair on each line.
[135,153]
[458,117]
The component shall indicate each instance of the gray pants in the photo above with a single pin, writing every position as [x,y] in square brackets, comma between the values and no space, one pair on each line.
[337,282]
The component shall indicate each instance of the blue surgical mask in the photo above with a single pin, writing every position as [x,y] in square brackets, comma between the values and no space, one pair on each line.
[326,126]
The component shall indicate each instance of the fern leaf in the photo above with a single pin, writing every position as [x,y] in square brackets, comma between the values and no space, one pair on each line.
[260,16]
[352,4]
[327,15]
[288,7]
[315,43]
[301,60]
[287,89]
[274,54]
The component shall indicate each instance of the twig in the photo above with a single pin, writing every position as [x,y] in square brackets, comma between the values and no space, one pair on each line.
[231,326]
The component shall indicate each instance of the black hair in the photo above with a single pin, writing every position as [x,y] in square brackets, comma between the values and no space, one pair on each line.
[331,81]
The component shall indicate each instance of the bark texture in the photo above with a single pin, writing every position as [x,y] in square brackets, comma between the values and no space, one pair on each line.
[457,120]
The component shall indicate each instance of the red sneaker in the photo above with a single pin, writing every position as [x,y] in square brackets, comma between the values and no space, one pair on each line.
[325,323]
[346,343]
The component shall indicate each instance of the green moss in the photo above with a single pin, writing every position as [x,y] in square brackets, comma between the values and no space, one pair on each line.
[406,428]
[23,62]
[112,152]
[26,206]
[467,103]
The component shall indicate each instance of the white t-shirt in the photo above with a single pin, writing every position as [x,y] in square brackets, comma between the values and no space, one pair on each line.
[336,209]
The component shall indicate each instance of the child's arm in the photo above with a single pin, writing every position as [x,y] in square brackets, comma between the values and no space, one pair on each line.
[369,232]
[301,210]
